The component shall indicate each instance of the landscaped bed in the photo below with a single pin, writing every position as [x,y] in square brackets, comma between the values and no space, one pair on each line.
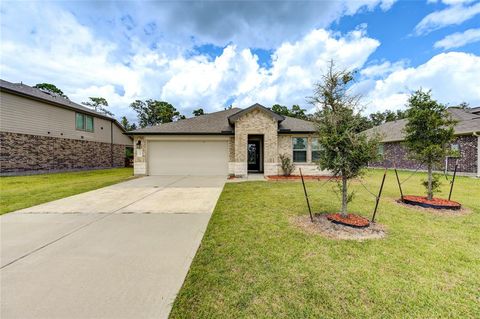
[256,262]
[437,203]
[351,220]
[17,192]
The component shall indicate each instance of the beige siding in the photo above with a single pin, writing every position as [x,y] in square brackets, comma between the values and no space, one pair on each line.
[26,116]
[120,138]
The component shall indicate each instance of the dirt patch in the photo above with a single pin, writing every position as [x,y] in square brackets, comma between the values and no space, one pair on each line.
[321,225]
[441,212]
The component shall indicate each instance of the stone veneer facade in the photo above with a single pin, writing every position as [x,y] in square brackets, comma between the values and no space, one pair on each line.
[395,153]
[139,155]
[22,153]
[256,122]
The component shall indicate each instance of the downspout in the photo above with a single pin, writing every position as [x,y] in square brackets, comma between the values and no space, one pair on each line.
[111,143]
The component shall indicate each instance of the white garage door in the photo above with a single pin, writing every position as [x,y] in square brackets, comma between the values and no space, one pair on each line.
[187,157]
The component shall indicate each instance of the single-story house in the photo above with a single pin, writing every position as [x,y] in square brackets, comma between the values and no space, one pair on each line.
[231,142]
[466,144]
[42,132]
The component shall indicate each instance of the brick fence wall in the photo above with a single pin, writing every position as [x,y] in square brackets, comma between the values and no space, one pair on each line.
[396,153]
[24,153]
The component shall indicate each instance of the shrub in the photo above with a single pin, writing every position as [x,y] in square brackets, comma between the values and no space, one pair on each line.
[436,183]
[287,165]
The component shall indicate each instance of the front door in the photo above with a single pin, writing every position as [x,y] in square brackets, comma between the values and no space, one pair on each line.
[254,156]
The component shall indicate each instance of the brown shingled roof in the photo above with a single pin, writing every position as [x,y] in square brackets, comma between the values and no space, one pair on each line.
[468,123]
[217,123]
[212,123]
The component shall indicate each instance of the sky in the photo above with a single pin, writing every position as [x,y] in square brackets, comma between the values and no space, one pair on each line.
[213,54]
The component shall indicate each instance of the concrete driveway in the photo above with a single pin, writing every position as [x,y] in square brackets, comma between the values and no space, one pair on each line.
[122,251]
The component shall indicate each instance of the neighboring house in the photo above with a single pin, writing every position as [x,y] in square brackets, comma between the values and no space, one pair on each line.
[41,132]
[466,144]
[231,142]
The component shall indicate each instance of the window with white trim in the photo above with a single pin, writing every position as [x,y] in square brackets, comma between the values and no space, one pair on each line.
[299,149]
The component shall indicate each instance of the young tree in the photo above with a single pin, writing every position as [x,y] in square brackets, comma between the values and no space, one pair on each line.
[98,104]
[428,132]
[126,124]
[345,152]
[152,112]
[198,112]
[51,89]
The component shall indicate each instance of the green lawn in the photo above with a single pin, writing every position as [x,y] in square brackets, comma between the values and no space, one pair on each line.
[18,192]
[253,263]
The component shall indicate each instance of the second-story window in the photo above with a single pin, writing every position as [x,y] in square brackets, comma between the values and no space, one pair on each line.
[83,122]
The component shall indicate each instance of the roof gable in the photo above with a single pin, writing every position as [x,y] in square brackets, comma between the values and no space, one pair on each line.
[233,118]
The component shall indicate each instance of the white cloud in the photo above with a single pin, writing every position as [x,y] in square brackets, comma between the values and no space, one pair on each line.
[459,39]
[452,15]
[379,70]
[452,77]
[297,66]
[198,82]
[67,54]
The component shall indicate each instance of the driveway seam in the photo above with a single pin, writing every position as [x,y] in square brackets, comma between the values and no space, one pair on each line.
[85,225]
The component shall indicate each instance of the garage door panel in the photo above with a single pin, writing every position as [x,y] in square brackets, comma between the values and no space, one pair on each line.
[187,157]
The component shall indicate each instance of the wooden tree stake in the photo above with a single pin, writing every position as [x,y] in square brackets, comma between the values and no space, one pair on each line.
[306,196]
[453,181]
[399,184]
[379,194]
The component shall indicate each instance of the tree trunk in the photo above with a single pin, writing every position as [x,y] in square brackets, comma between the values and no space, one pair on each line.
[344,195]
[429,191]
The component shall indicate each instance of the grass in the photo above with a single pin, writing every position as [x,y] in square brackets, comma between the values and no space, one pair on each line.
[253,263]
[17,192]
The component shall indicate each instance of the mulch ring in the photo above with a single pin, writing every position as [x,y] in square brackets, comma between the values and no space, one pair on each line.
[436,203]
[350,220]
[440,212]
[321,225]
[298,177]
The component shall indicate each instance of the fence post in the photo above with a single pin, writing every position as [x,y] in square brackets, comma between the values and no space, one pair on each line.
[378,197]
[306,196]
